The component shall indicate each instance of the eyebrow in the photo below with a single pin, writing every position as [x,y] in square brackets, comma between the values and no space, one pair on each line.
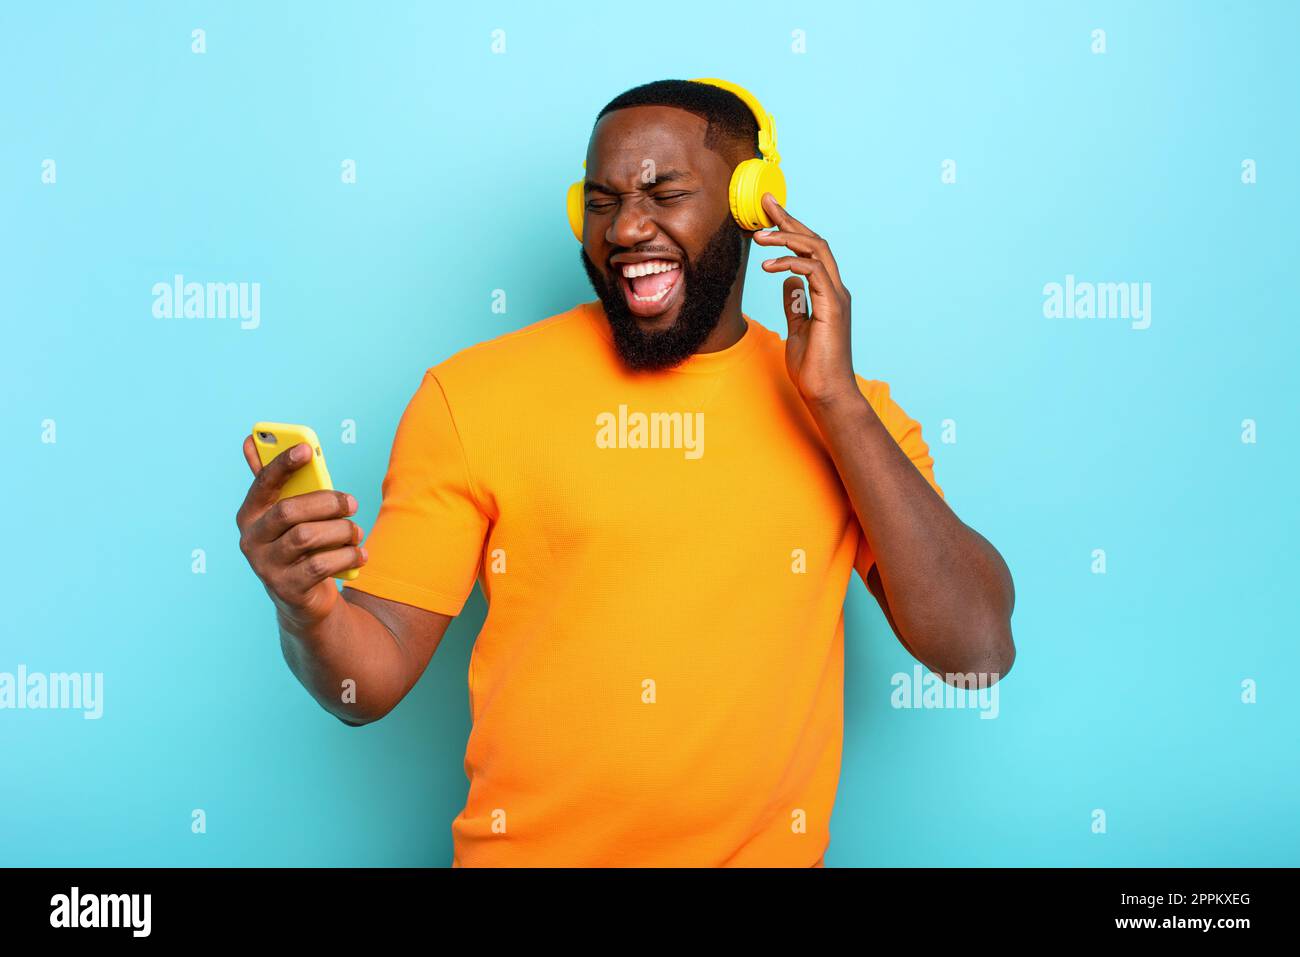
[661,177]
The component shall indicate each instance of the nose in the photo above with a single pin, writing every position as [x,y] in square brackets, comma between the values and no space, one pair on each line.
[631,225]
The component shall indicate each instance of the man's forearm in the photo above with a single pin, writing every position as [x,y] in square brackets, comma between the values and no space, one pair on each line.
[948,589]
[348,645]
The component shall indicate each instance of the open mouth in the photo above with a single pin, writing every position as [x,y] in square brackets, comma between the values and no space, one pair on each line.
[650,288]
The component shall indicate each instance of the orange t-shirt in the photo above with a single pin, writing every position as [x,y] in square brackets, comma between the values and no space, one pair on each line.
[665,557]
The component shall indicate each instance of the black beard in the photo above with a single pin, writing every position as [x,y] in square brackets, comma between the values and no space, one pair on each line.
[708,283]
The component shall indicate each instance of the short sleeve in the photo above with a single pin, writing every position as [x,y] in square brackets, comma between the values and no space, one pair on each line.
[907,433]
[427,541]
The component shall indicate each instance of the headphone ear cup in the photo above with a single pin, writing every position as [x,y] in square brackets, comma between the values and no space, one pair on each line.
[750,180]
[574,206]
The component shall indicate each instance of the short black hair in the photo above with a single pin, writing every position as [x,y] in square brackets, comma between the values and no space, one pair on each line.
[732,123]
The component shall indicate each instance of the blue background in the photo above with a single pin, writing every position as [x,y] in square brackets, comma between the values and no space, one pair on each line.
[1072,434]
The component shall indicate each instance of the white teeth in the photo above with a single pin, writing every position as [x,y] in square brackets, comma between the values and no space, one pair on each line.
[632,270]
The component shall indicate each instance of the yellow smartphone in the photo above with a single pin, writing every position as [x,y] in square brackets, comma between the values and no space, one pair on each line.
[272,438]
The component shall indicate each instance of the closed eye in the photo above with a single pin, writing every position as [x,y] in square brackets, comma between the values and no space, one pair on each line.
[596,205]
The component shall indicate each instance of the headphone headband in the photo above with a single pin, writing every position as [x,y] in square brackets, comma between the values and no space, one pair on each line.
[766,123]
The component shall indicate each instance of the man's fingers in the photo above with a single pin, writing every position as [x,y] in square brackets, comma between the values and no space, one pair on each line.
[306,537]
[819,283]
[250,454]
[818,278]
[313,569]
[826,271]
[784,221]
[266,486]
[801,243]
[309,507]
[269,480]
[807,244]
[795,299]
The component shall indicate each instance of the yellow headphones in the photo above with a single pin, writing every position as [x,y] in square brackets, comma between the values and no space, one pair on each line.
[749,181]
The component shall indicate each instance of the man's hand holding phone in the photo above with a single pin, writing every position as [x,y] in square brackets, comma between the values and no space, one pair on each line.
[296,545]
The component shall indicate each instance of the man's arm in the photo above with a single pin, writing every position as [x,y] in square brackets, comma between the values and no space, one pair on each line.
[943,587]
[295,546]
[946,591]
[381,645]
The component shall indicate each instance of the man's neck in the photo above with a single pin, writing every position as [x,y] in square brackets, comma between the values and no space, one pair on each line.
[731,324]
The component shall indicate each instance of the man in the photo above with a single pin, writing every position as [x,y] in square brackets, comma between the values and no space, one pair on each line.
[662,502]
